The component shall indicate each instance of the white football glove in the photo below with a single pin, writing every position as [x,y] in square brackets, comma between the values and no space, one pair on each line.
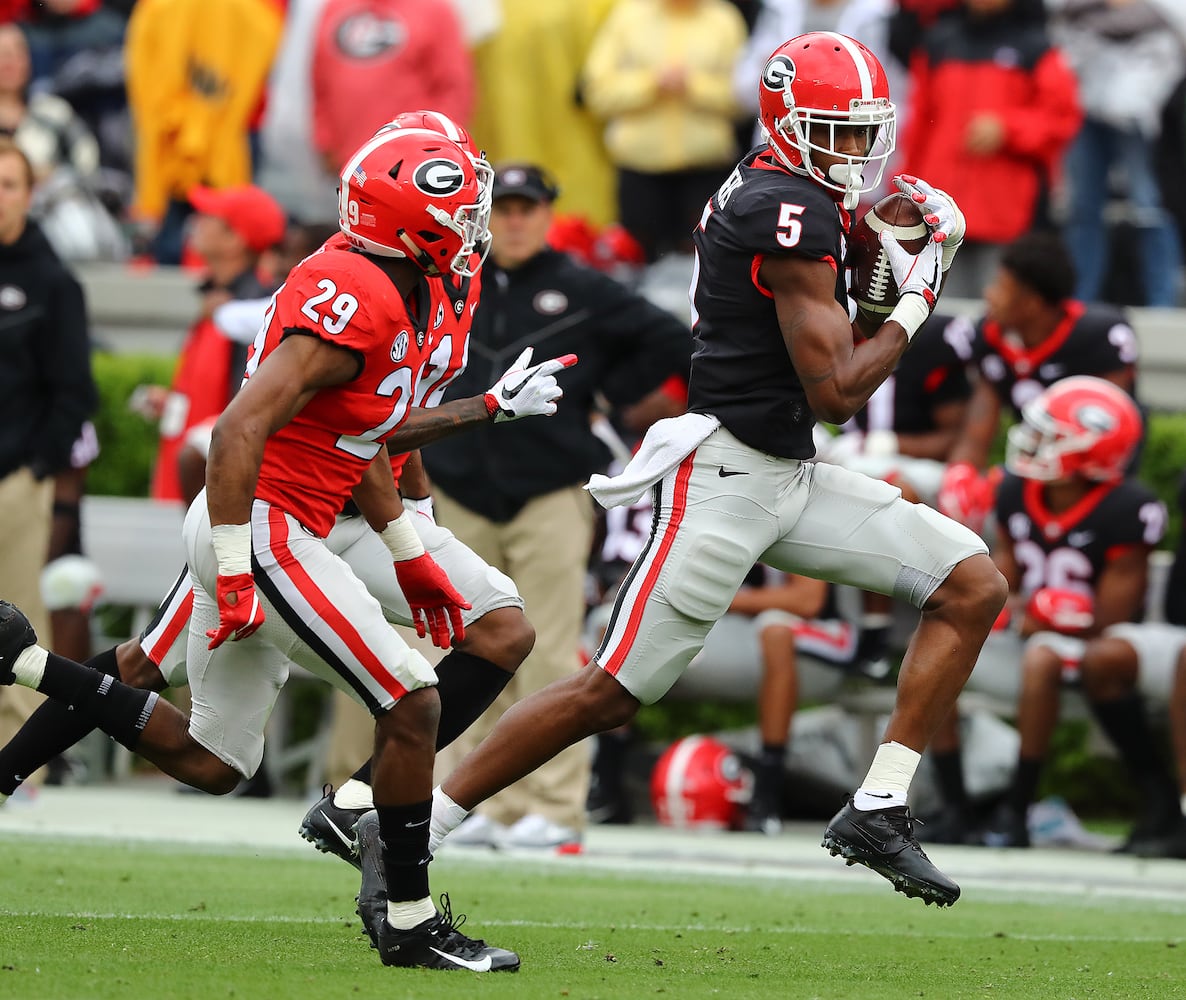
[940,212]
[919,277]
[527,390]
[918,274]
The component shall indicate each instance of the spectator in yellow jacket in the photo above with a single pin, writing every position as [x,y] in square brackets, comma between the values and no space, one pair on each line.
[660,75]
[195,72]
[528,110]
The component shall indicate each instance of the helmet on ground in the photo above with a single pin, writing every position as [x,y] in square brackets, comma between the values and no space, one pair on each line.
[1082,426]
[814,84]
[414,193]
[700,783]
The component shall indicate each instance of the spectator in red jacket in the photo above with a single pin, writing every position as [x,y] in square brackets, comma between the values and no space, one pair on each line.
[233,227]
[993,108]
[375,58]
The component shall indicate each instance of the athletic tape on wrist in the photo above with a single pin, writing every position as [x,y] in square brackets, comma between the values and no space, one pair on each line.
[232,548]
[910,313]
[401,539]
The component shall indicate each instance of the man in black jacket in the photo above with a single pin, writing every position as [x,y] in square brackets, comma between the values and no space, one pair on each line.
[46,394]
[513,493]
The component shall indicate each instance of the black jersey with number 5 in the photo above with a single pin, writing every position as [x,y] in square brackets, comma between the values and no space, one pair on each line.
[1071,549]
[741,371]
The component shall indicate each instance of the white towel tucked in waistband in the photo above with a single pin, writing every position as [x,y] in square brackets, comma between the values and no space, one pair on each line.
[667,443]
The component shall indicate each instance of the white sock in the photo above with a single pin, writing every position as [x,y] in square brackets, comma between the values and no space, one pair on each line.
[30,666]
[447,816]
[407,915]
[889,777]
[354,795]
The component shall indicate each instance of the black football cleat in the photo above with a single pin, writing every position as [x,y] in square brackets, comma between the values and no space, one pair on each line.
[372,893]
[883,840]
[16,635]
[330,828]
[438,944]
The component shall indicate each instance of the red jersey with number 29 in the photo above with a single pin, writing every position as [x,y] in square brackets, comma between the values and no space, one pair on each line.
[311,465]
[454,301]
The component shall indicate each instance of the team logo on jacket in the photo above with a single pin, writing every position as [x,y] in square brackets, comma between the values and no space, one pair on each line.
[779,73]
[439,178]
[12,298]
[550,302]
[365,36]
[399,347]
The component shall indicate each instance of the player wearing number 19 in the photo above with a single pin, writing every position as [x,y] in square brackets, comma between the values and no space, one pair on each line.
[774,351]
[332,377]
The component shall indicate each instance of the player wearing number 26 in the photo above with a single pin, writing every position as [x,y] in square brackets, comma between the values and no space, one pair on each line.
[775,350]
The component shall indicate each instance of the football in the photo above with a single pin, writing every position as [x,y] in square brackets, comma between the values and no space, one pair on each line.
[871,280]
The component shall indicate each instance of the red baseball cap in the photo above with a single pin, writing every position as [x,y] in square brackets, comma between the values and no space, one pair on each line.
[250,211]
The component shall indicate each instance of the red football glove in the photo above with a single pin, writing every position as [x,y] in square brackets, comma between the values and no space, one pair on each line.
[432,599]
[239,610]
[965,495]
[1067,611]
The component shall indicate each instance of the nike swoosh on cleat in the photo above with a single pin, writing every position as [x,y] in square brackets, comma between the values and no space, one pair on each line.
[880,795]
[724,473]
[412,826]
[348,841]
[464,963]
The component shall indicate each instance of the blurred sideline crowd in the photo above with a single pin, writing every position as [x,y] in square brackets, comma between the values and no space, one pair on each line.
[210,134]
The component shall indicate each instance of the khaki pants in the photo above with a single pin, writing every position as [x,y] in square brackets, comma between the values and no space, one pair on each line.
[545,550]
[25,514]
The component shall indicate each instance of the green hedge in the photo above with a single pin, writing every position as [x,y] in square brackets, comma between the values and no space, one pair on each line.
[128,441]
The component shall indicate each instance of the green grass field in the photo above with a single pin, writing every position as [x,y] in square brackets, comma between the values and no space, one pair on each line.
[83,919]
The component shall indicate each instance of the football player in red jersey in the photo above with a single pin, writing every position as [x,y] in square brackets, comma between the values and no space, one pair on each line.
[775,352]
[1073,538]
[497,634]
[332,376]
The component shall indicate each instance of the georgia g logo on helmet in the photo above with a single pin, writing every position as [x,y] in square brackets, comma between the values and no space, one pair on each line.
[779,73]
[439,178]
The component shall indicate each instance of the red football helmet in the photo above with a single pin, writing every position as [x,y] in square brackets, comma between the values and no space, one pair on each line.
[700,783]
[435,121]
[1078,426]
[823,80]
[414,193]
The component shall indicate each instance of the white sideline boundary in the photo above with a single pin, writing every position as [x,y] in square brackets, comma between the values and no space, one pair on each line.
[154,811]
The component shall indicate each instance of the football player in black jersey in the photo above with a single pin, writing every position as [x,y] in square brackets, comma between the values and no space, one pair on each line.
[1073,540]
[1126,671]
[1032,335]
[775,351]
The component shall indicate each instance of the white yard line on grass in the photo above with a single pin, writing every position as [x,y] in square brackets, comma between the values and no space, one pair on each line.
[153,810]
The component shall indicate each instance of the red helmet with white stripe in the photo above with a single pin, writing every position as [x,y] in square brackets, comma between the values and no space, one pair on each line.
[414,193]
[699,782]
[1080,425]
[435,121]
[814,84]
